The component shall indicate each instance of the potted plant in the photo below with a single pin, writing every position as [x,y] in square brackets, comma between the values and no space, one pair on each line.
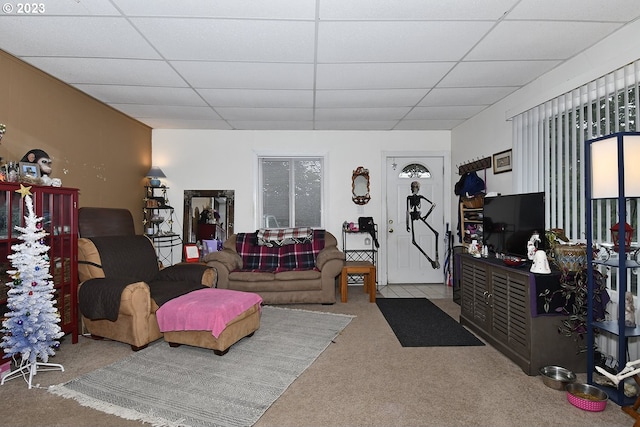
[573,299]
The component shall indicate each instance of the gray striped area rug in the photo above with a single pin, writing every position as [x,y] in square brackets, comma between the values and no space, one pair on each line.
[189,386]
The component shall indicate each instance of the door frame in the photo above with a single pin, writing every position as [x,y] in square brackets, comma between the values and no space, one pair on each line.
[447,208]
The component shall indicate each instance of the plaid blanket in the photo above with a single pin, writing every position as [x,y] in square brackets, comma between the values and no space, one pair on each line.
[284,236]
[300,256]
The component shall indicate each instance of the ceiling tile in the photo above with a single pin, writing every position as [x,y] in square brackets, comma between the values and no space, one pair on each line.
[466,96]
[355,124]
[496,73]
[272,125]
[539,40]
[94,37]
[360,114]
[444,112]
[109,71]
[381,75]
[369,98]
[397,41]
[230,40]
[428,124]
[74,7]
[144,95]
[245,75]
[167,112]
[272,9]
[414,9]
[260,114]
[584,10]
[158,123]
[257,98]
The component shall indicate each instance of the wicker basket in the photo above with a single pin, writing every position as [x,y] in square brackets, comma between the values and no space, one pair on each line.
[474,202]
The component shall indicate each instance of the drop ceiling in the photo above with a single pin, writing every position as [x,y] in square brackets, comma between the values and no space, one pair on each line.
[305,64]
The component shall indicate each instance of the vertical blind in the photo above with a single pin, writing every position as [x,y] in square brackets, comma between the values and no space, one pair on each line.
[548,147]
[548,151]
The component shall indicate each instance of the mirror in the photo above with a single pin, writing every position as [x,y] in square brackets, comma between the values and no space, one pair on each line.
[360,186]
[208,214]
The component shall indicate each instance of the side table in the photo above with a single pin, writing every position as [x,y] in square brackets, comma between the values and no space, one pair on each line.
[364,268]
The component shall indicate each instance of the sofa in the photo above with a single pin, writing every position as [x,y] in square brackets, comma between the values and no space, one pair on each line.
[283,266]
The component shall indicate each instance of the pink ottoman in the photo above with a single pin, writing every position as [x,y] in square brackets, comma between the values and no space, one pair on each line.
[210,318]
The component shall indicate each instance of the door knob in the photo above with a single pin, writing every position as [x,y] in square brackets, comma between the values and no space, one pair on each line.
[391,230]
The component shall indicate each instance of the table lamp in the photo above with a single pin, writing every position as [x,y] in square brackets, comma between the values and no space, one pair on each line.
[154,174]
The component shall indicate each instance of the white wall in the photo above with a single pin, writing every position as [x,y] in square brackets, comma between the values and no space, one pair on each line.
[227,160]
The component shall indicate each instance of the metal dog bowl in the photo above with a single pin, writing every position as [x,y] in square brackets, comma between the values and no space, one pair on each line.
[557,377]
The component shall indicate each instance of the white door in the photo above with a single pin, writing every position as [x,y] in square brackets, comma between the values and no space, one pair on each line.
[405,262]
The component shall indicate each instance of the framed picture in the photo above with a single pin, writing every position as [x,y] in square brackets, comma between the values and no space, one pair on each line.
[31,170]
[191,253]
[502,162]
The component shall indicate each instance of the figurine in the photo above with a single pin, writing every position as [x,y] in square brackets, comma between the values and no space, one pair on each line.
[532,245]
[41,158]
[540,263]
[629,311]
[44,162]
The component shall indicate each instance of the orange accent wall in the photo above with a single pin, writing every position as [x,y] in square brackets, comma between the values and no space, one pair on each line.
[100,151]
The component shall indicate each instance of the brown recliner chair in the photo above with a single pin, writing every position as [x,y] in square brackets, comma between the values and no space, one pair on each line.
[121,282]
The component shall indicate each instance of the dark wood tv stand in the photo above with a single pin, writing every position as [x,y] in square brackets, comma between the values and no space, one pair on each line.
[498,303]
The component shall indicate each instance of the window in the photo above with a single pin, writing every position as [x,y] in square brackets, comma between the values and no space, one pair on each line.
[290,191]
[413,171]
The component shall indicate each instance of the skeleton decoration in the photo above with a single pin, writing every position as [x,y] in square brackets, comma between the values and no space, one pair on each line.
[629,370]
[414,214]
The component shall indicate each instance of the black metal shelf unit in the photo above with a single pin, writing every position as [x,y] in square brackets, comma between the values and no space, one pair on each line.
[158,223]
[621,266]
[368,252]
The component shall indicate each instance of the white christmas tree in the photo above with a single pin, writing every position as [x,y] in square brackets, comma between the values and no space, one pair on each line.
[31,329]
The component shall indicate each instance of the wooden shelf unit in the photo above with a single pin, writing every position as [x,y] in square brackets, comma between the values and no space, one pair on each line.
[470,220]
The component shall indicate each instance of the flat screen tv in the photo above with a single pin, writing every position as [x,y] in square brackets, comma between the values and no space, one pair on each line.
[509,221]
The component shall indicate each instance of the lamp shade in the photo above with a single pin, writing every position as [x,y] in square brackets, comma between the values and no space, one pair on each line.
[608,156]
[155,172]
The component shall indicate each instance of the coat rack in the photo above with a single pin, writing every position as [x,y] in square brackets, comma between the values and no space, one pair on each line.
[474,165]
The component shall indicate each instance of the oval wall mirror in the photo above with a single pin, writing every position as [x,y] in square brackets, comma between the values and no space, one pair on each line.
[208,214]
[360,186]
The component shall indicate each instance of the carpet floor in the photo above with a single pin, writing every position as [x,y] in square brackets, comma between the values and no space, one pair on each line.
[417,322]
[190,386]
